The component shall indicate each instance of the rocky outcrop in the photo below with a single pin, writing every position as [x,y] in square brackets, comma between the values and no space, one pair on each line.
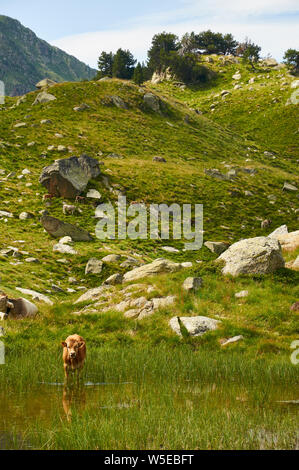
[57,229]
[69,177]
[260,255]
[159,266]
[45,83]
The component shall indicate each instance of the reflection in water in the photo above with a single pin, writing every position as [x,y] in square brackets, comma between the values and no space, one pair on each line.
[73,397]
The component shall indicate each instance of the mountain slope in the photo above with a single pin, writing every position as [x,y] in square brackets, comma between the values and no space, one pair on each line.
[25,59]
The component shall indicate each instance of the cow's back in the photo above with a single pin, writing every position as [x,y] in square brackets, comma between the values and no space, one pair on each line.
[22,308]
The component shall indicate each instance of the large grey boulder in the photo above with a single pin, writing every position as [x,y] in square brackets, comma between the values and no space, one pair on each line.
[44,97]
[196,326]
[68,177]
[152,101]
[260,255]
[159,266]
[57,228]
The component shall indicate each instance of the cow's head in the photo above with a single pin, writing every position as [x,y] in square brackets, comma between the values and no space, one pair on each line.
[72,346]
[5,306]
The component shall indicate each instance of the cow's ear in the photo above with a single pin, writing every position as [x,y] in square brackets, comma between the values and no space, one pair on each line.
[63,344]
[81,344]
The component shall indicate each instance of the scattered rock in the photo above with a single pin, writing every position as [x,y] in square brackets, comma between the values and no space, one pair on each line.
[295,84]
[93,194]
[288,241]
[289,187]
[170,249]
[119,102]
[32,260]
[235,339]
[94,266]
[237,76]
[82,107]
[69,177]
[92,294]
[242,294]
[192,284]
[64,249]
[196,326]
[152,101]
[260,255]
[58,228]
[45,83]
[111,258]
[26,216]
[279,231]
[20,124]
[114,280]
[44,97]
[6,214]
[217,247]
[159,159]
[158,266]
[35,295]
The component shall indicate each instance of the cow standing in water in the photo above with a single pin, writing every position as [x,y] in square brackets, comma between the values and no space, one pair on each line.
[74,354]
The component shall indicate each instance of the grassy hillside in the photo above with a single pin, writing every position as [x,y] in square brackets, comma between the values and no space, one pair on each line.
[190,146]
[257,111]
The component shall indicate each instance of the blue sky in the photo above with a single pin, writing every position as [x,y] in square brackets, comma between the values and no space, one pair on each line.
[85,28]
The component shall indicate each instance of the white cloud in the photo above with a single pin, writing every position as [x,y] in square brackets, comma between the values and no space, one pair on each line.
[242,19]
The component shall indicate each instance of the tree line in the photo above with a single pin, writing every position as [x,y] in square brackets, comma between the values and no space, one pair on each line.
[182,57]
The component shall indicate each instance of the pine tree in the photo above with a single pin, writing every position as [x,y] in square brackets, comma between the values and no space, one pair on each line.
[105,64]
[123,64]
[138,77]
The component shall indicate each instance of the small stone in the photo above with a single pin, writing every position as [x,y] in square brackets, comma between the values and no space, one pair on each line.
[32,260]
[243,293]
[111,258]
[192,284]
[93,194]
[289,187]
[114,280]
[26,216]
[170,249]
[235,339]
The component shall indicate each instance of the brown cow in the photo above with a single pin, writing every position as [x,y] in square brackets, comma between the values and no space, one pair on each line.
[74,354]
